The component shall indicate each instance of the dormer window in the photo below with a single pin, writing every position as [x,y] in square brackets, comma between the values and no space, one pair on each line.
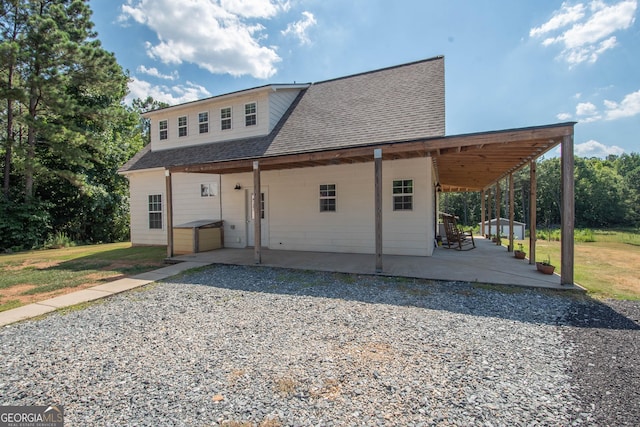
[182,126]
[203,122]
[163,129]
[250,114]
[225,118]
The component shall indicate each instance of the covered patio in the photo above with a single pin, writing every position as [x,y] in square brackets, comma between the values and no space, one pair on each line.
[488,263]
[472,162]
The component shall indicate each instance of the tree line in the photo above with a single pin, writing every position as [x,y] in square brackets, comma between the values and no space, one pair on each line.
[65,130]
[607,194]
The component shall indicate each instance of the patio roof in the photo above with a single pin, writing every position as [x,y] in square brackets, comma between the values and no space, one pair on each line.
[469,162]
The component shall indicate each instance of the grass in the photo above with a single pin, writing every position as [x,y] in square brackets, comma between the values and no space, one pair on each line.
[606,267]
[32,276]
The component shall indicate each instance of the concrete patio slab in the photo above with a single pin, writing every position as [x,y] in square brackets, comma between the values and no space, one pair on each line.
[488,263]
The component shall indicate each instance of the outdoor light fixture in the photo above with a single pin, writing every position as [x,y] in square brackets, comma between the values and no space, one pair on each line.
[237,187]
[438,187]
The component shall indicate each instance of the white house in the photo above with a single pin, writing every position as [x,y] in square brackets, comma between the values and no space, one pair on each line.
[491,228]
[345,165]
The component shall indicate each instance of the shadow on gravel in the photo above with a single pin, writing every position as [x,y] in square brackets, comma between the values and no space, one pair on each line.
[507,302]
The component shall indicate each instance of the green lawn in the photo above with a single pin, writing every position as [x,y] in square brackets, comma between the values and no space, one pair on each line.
[608,267]
[26,277]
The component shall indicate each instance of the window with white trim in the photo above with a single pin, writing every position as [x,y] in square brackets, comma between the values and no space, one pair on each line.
[327,197]
[163,129]
[250,114]
[155,211]
[225,118]
[402,194]
[182,126]
[203,122]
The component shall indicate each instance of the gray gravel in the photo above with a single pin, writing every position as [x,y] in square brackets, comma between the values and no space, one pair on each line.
[265,346]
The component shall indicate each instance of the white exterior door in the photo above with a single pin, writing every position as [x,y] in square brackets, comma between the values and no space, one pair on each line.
[264,213]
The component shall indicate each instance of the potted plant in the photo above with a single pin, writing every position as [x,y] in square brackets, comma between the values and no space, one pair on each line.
[545,266]
[519,253]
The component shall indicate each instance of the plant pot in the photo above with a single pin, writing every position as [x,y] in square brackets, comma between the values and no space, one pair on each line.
[520,254]
[545,268]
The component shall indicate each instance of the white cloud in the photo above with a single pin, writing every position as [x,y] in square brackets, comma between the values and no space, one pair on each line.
[155,73]
[590,31]
[594,148]
[563,116]
[173,95]
[254,8]
[561,18]
[630,106]
[216,37]
[586,109]
[587,112]
[300,28]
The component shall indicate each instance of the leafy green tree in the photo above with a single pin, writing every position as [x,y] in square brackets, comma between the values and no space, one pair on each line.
[72,131]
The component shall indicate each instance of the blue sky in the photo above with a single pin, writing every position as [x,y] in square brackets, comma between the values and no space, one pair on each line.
[508,63]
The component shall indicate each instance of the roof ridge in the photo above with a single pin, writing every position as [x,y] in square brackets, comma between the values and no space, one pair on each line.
[433,58]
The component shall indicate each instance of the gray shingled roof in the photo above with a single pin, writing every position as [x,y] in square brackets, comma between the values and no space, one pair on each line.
[391,105]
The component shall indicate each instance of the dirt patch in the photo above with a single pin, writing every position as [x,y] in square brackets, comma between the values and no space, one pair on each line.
[14,293]
[33,265]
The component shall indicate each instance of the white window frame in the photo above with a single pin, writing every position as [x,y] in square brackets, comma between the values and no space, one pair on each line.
[251,118]
[163,131]
[223,120]
[203,125]
[326,194]
[184,126]
[402,198]
[153,209]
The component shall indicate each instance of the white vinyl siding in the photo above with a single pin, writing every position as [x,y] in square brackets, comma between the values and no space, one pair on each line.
[279,103]
[296,223]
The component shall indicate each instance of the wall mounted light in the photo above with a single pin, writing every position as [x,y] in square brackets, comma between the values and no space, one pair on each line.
[237,187]
[438,187]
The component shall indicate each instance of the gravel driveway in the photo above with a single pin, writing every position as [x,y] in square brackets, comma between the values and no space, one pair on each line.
[245,346]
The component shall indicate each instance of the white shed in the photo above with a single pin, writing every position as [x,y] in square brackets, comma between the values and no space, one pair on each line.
[518,228]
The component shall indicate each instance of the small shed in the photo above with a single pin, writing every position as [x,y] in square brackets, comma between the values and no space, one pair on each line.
[197,236]
[518,228]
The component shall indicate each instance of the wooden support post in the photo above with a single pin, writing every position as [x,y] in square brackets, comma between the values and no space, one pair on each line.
[568,211]
[377,157]
[257,217]
[489,210]
[169,203]
[482,213]
[511,211]
[533,218]
[498,201]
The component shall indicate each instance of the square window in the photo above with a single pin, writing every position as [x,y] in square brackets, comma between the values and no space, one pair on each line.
[203,122]
[182,126]
[403,195]
[225,118]
[327,197]
[163,129]
[250,114]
